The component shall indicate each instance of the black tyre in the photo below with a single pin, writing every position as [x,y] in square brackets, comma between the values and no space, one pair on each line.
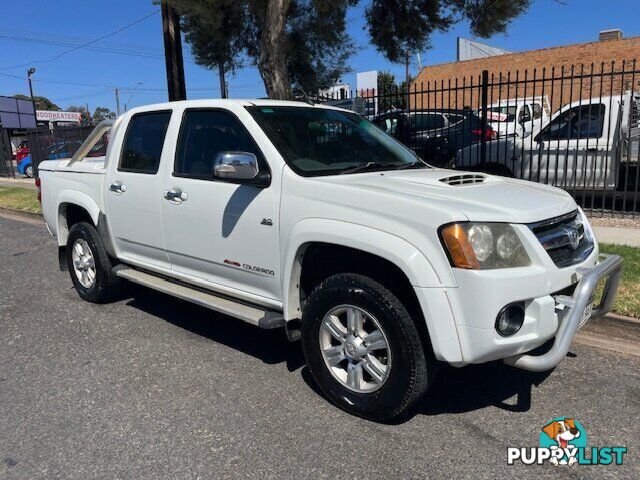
[363,348]
[28,171]
[89,265]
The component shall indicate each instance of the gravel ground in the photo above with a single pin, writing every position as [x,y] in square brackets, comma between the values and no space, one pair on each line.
[616,222]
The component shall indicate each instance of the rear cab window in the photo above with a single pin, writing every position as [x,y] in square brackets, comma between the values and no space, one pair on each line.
[143,142]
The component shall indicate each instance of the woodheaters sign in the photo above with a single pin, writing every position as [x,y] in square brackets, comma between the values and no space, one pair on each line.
[54,116]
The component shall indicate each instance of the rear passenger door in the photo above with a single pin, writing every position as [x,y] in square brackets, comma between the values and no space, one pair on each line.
[133,187]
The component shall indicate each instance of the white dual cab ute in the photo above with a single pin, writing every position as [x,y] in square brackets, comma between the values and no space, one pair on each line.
[583,146]
[285,214]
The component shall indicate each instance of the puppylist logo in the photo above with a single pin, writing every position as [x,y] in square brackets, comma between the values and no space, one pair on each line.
[563,441]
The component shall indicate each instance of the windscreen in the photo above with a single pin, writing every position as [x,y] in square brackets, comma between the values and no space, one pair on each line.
[318,141]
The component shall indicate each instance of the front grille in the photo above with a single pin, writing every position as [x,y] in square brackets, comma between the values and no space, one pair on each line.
[564,238]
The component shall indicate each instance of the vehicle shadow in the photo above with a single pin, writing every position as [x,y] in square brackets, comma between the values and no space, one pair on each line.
[236,206]
[455,390]
[461,390]
[269,346]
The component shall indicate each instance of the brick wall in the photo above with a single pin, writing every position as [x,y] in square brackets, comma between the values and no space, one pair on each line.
[551,72]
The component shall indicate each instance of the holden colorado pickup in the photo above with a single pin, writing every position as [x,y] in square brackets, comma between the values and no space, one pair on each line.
[307,217]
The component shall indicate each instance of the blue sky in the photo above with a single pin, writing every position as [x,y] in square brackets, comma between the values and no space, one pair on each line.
[86,76]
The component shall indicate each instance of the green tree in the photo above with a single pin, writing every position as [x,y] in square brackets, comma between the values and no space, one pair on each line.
[303,43]
[295,44]
[102,113]
[41,103]
[85,114]
[397,27]
[390,94]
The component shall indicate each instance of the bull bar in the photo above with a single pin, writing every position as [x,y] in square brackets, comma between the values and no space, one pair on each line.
[609,266]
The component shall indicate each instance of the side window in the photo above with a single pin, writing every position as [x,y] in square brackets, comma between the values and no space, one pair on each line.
[537,111]
[388,124]
[525,114]
[204,134]
[426,121]
[582,122]
[455,119]
[143,142]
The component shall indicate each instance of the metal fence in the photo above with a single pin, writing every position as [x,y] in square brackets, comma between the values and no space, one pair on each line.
[59,142]
[6,163]
[574,127]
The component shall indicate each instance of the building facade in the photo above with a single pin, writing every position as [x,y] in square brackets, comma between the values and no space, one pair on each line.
[562,74]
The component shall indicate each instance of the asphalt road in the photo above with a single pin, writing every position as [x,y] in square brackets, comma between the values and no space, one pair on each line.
[152,387]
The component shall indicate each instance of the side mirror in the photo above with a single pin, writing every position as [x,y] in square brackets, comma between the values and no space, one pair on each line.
[239,166]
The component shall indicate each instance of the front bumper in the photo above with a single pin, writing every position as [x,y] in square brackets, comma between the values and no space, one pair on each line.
[609,267]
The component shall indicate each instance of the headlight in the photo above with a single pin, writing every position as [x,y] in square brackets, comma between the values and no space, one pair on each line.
[588,231]
[482,246]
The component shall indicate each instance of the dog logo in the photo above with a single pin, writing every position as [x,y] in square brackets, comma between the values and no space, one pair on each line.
[563,441]
[564,433]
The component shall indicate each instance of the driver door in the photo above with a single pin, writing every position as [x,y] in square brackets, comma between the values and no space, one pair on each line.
[570,152]
[219,232]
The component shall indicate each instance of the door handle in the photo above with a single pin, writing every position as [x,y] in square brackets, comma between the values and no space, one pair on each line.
[176,195]
[118,187]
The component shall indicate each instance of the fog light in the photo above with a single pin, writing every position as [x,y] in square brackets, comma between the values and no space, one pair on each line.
[510,319]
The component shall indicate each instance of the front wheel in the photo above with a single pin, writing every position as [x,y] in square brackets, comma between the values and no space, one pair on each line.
[363,348]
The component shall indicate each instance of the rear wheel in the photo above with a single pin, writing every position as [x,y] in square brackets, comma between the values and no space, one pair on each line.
[28,171]
[89,265]
[363,348]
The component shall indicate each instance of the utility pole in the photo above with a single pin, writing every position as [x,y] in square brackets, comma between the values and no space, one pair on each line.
[173,53]
[30,72]
[118,101]
[223,85]
[86,104]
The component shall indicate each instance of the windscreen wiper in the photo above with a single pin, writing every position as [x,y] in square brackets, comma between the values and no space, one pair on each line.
[417,163]
[366,166]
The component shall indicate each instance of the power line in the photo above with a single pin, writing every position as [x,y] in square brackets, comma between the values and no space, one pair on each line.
[56,57]
[94,94]
[120,49]
[124,88]
[73,40]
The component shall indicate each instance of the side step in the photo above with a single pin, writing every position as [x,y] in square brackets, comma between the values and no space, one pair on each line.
[257,316]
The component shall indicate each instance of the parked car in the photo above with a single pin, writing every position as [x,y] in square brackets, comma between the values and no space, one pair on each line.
[25,167]
[310,218]
[517,116]
[63,149]
[435,135]
[581,147]
[60,150]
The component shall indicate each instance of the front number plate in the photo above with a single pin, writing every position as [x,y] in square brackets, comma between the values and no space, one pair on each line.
[586,315]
